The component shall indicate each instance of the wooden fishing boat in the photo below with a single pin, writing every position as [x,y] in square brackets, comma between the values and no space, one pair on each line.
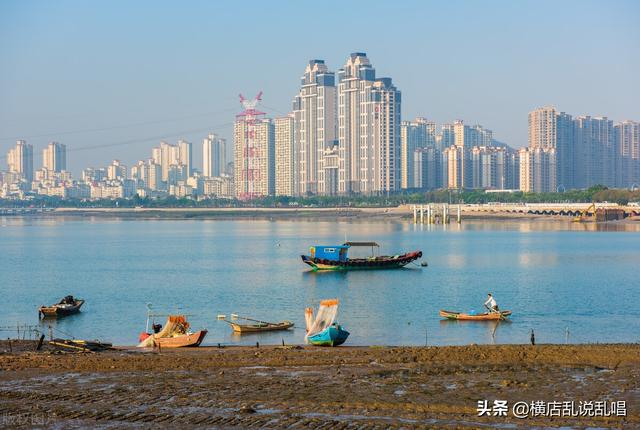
[333,335]
[487,316]
[182,340]
[67,306]
[335,257]
[175,334]
[258,326]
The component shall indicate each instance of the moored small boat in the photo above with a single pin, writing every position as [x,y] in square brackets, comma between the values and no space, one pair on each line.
[487,316]
[175,334]
[333,335]
[67,306]
[323,330]
[335,257]
[259,326]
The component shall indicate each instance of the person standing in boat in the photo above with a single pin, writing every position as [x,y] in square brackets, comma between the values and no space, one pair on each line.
[491,303]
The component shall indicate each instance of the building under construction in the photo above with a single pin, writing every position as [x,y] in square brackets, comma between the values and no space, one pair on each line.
[254,152]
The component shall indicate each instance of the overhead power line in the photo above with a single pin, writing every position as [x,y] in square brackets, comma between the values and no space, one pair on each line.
[143,140]
[115,127]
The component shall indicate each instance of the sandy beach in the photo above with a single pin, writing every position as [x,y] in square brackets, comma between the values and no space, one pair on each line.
[304,387]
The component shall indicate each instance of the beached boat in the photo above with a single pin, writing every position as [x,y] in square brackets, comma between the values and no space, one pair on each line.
[333,335]
[257,326]
[81,345]
[487,316]
[323,330]
[175,334]
[67,306]
[335,257]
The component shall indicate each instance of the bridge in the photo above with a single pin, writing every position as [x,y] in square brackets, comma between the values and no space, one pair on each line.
[558,209]
[522,209]
[23,211]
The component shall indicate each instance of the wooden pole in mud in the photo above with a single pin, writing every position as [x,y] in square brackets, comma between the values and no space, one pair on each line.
[40,342]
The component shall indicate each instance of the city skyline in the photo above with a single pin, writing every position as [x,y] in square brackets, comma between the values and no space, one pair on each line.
[171,91]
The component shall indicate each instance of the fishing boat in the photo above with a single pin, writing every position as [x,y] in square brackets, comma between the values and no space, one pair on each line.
[333,335]
[335,257]
[174,334]
[257,326]
[323,330]
[487,316]
[67,306]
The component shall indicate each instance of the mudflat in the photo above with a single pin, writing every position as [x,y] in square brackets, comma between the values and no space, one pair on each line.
[305,387]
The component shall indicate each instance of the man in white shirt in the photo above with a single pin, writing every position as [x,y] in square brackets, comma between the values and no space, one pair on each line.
[491,303]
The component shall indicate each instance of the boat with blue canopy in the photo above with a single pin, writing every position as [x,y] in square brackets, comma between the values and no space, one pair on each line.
[336,257]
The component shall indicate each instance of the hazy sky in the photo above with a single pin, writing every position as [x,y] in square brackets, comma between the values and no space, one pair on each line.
[128,74]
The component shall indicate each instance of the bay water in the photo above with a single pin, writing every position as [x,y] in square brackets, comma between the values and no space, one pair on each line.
[565,281]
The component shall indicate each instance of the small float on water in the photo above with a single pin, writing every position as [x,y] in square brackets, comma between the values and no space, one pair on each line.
[323,330]
[174,334]
[487,316]
[335,257]
[67,306]
[256,326]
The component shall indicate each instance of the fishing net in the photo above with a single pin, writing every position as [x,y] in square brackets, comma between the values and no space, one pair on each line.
[327,313]
[176,325]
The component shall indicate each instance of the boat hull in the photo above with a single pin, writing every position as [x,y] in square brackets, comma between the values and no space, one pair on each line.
[489,316]
[258,328]
[182,341]
[59,310]
[331,336]
[382,262]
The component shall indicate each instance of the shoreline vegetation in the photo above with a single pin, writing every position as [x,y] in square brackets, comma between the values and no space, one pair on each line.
[399,213]
[286,386]
[595,194]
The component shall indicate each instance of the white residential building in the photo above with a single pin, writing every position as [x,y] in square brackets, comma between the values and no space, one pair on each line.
[368,129]
[315,126]
[214,156]
[627,135]
[416,134]
[284,156]
[549,128]
[54,157]
[20,160]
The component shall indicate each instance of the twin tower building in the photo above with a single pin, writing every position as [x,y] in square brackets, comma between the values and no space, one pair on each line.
[342,137]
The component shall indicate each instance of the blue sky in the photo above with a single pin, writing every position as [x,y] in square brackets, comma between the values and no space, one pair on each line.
[140,71]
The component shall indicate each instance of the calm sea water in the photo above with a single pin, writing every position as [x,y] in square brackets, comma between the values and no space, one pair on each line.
[553,276]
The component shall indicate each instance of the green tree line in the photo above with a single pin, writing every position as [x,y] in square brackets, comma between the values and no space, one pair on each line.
[593,194]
